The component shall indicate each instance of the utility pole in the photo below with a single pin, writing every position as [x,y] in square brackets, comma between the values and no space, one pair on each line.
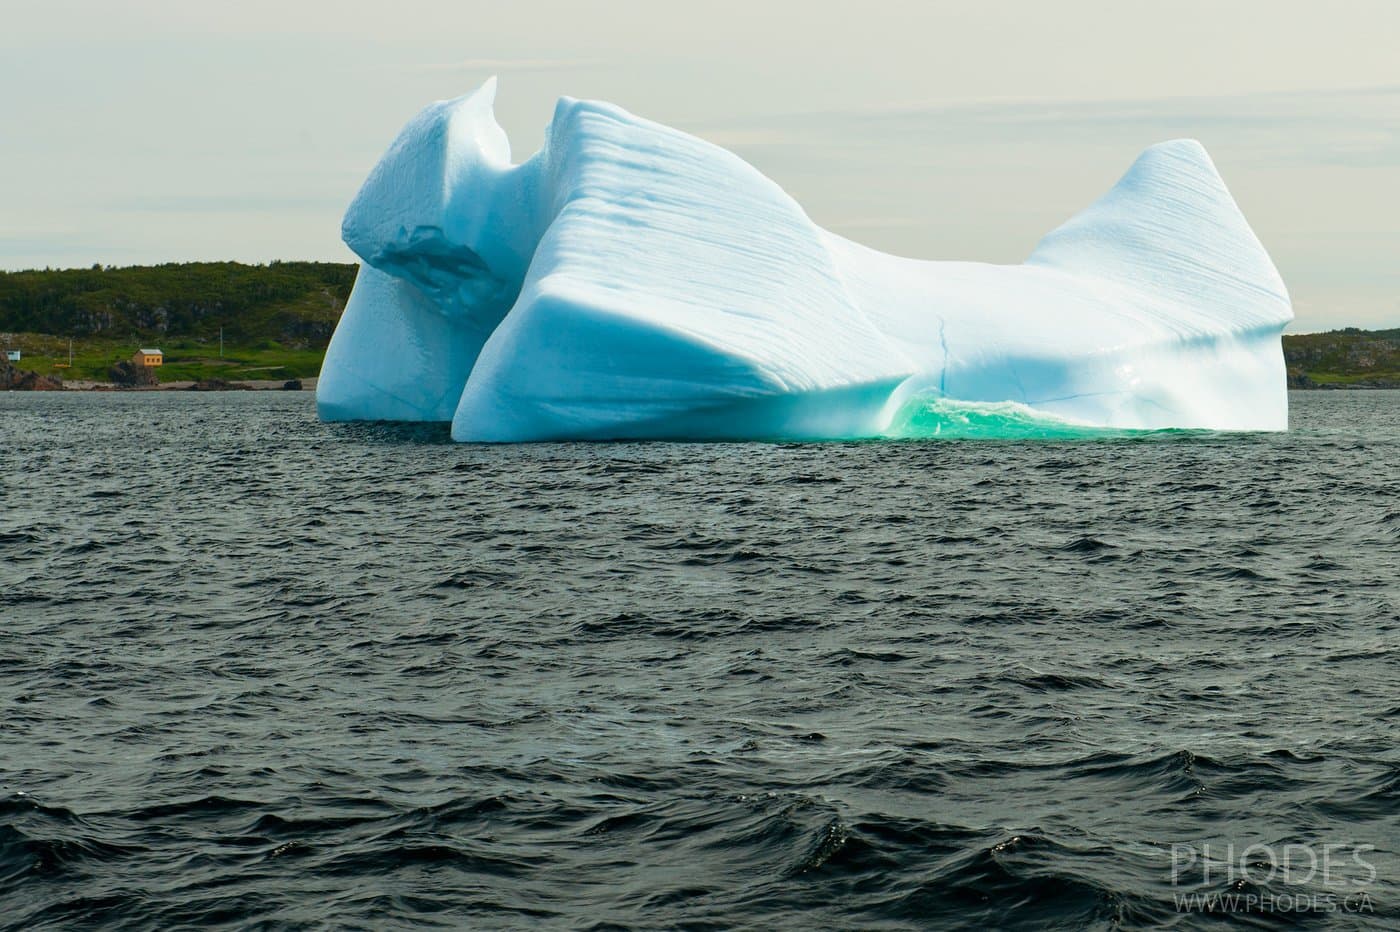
[221,342]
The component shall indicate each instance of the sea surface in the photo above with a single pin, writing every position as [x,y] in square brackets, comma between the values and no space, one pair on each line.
[262,672]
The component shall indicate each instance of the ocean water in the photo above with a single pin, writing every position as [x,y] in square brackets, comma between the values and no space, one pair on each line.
[260,672]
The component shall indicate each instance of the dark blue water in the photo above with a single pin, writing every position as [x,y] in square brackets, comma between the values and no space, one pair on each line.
[259,672]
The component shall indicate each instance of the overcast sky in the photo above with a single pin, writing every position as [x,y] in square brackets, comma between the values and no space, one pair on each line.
[136,131]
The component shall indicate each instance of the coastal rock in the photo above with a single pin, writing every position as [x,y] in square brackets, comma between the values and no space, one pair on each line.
[23,380]
[126,374]
[218,385]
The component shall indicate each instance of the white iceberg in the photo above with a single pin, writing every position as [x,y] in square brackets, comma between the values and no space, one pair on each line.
[631,281]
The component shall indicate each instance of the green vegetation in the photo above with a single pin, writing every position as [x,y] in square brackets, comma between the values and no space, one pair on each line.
[276,319]
[1343,358]
[185,359]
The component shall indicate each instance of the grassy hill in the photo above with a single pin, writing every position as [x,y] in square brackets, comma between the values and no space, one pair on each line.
[1348,358]
[278,318]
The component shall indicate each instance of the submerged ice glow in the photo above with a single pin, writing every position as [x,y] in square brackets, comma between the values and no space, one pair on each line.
[631,281]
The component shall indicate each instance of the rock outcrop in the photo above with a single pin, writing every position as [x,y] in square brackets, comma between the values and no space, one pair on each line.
[15,379]
[126,374]
[218,385]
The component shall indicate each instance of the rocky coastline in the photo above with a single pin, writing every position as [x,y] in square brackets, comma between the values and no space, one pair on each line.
[14,379]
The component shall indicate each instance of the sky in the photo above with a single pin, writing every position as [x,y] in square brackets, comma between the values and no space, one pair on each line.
[138,131]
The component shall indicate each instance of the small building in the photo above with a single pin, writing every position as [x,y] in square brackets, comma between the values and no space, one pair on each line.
[148,357]
[12,355]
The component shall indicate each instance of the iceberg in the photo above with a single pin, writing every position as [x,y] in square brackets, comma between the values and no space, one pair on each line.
[630,281]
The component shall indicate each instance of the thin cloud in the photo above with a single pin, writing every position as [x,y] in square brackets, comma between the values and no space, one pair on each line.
[513,64]
[880,223]
[1355,127]
[1053,109]
[224,203]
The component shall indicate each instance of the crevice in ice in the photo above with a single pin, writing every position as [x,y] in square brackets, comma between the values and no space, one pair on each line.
[1015,371]
[943,343]
[459,282]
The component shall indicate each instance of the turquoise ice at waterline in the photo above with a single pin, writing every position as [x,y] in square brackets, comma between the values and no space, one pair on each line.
[630,281]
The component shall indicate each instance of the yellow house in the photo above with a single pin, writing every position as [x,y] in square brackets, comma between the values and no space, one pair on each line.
[148,357]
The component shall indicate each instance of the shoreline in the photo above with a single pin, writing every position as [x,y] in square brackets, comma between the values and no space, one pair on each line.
[309,385]
[1383,386]
[253,385]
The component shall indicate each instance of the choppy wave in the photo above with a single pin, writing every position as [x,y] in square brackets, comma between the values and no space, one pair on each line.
[262,673]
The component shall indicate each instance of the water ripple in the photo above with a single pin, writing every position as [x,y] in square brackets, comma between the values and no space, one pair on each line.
[260,672]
